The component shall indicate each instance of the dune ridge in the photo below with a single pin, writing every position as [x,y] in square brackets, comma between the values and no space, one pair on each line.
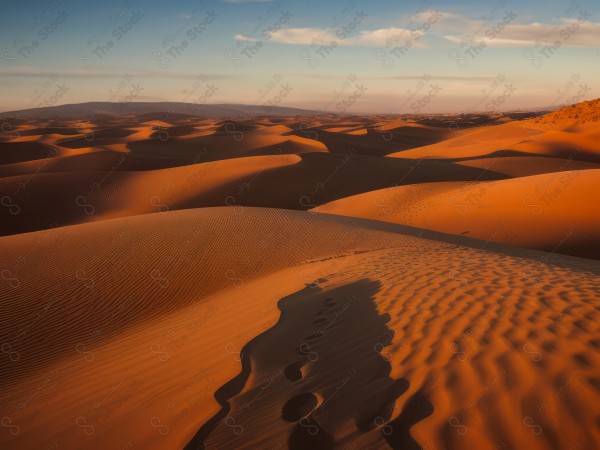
[551,212]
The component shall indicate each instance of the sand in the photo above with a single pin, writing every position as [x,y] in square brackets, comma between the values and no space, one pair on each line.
[299,281]
[527,138]
[385,338]
[305,180]
[551,212]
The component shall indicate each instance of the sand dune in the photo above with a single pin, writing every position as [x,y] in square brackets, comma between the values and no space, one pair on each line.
[40,131]
[377,141]
[475,142]
[41,200]
[15,152]
[578,114]
[385,339]
[92,160]
[521,166]
[578,144]
[551,212]
[158,290]
[100,137]
[228,141]
[523,137]
[45,200]
[334,162]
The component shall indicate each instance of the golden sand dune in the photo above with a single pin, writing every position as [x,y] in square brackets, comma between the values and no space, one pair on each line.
[576,144]
[551,212]
[488,142]
[475,142]
[230,140]
[570,133]
[159,292]
[46,183]
[580,113]
[110,135]
[386,339]
[155,144]
[343,129]
[44,200]
[41,200]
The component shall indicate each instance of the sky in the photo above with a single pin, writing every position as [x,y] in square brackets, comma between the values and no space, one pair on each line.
[353,56]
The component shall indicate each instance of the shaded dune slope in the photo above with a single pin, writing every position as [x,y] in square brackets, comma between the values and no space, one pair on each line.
[302,182]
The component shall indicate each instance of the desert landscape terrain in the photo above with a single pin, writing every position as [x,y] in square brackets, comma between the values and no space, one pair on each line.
[227,278]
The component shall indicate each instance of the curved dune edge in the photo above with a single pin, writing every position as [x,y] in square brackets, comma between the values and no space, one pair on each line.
[521,166]
[459,333]
[552,212]
[277,180]
[67,198]
[231,140]
[471,142]
[32,149]
[526,137]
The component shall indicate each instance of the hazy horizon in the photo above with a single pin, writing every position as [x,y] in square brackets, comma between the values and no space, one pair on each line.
[309,111]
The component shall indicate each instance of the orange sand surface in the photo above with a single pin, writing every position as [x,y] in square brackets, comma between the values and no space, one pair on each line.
[385,338]
[534,211]
[300,281]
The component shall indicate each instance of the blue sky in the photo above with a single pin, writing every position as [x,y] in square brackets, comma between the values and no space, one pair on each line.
[340,56]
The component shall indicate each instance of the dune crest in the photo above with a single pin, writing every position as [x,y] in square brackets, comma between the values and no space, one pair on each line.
[551,212]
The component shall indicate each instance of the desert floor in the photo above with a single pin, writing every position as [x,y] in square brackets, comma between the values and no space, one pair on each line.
[306,282]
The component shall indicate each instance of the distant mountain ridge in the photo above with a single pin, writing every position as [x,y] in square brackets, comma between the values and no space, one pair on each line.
[584,111]
[87,111]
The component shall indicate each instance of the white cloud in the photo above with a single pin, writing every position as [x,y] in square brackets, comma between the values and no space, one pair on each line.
[454,28]
[242,38]
[321,36]
[569,32]
[386,36]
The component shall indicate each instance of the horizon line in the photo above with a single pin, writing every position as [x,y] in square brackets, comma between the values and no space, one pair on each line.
[284,107]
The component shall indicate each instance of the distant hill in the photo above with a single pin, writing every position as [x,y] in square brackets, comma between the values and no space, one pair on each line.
[155,110]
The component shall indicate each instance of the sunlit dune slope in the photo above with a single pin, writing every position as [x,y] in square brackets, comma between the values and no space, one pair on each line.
[472,142]
[386,339]
[520,138]
[569,133]
[554,212]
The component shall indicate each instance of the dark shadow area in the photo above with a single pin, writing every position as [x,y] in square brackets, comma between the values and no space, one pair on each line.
[397,432]
[319,368]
